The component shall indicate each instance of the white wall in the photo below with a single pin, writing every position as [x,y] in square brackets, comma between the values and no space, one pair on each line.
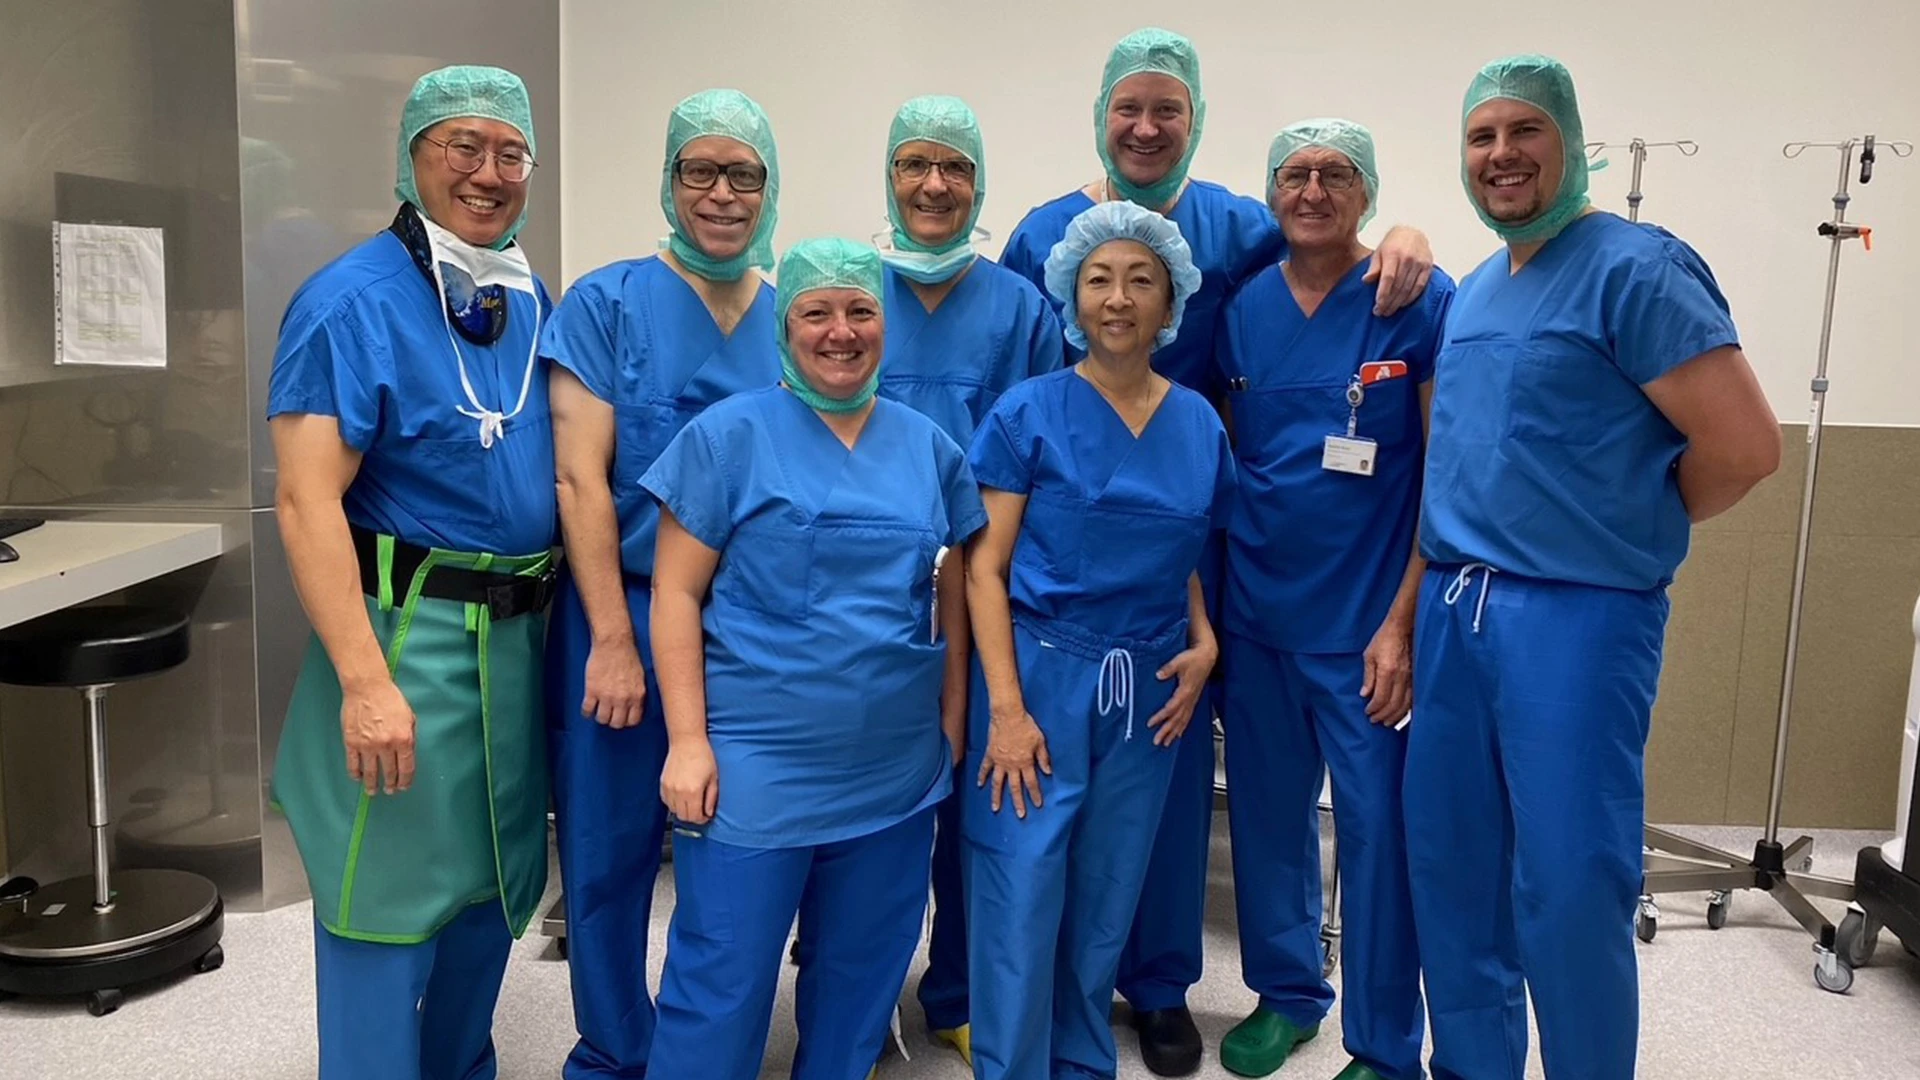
[1741,78]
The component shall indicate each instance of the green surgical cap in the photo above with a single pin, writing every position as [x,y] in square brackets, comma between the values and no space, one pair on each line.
[825,263]
[1165,52]
[488,93]
[1341,136]
[1545,84]
[949,122]
[733,115]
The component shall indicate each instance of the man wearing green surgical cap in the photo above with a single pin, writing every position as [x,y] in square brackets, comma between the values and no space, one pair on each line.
[1592,404]
[804,592]
[409,417]
[961,329]
[640,348]
[1147,121]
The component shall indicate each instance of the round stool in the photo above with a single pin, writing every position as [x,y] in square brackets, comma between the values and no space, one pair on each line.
[96,935]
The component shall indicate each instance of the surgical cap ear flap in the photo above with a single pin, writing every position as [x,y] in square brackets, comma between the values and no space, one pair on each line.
[488,93]
[1545,84]
[733,115]
[1165,53]
[1109,221]
[1341,136]
[950,122]
[825,263]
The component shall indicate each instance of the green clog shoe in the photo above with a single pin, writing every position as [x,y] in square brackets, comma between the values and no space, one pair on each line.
[1260,1044]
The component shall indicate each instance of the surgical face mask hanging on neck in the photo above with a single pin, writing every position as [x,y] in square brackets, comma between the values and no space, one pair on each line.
[929,267]
[483,267]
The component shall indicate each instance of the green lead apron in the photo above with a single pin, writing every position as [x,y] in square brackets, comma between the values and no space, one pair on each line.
[473,827]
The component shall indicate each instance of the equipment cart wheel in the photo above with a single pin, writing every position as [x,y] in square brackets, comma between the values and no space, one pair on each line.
[1858,936]
[1830,972]
[1646,923]
[1329,955]
[102,1002]
[1719,902]
[560,946]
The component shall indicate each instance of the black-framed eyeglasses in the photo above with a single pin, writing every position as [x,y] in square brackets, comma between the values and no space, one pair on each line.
[467,156]
[915,169]
[743,177]
[1332,177]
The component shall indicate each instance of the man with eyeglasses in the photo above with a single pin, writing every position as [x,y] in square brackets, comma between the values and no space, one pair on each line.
[961,329]
[1328,403]
[410,426]
[1147,125]
[639,348]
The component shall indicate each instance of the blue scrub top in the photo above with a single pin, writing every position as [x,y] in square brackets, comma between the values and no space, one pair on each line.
[1314,557]
[992,330]
[1114,524]
[1546,458]
[640,338]
[823,673]
[1232,237]
[365,340]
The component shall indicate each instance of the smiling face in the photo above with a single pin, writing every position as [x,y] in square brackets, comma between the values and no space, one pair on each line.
[1123,298]
[835,337]
[1149,124]
[1316,216]
[478,207]
[1515,160]
[718,220]
[933,208]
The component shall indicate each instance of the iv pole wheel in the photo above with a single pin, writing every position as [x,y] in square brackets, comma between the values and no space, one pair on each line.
[1830,972]
[1719,902]
[1646,922]
[1857,938]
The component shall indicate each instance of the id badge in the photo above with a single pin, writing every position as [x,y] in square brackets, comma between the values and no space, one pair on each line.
[1348,454]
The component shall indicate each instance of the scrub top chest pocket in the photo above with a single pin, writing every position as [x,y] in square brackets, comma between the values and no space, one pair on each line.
[1343,424]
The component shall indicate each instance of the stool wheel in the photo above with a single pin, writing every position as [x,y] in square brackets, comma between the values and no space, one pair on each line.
[211,960]
[102,1002]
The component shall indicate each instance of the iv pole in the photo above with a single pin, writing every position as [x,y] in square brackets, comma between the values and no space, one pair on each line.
[1675,864]
[1638,148]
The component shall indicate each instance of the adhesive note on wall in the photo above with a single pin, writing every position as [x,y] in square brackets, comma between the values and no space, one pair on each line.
[110,295]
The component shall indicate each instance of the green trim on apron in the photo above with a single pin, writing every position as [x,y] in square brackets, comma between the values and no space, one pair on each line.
[394,869]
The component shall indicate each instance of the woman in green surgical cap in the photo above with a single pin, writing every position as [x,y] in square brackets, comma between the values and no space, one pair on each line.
[639,348]
[409,418]
[800,619]
[1147,122]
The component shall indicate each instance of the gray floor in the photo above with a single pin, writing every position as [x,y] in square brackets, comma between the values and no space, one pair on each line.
[1738,1002]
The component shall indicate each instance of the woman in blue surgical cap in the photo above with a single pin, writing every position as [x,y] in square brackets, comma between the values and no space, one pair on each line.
[1101,483]
[799,617]
[409,419]
[640,348]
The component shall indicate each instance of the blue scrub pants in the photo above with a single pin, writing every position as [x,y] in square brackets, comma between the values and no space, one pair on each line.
[609,825]
[412,1012]
[943,988]
[1287,715]
[1525,802]
[1164,949]
[1051,897]
[860,904]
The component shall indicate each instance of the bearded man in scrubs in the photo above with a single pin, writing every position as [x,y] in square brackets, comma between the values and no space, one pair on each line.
[1327,403]
[409,420]
[800,613]
[961,330]
[1147,122]
[1592,403]
[639,348]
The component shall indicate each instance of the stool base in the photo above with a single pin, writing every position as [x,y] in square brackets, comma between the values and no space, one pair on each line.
[162,921]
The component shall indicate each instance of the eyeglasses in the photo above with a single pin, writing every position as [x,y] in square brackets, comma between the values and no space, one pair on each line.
[466,156]
[1332,177]
[700,174]
[914,170]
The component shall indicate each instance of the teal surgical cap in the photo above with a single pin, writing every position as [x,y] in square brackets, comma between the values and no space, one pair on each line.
[487,93]
[949,122]
[1342,136]
[1106,222]
[1165,52]
[825,263]
[733,115]
[1545,84]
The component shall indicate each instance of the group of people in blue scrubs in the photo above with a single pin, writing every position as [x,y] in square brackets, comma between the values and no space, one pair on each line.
[915,573]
